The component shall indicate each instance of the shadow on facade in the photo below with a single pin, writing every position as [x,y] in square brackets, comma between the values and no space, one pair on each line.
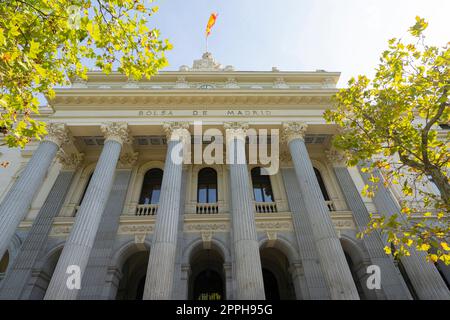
[134,270]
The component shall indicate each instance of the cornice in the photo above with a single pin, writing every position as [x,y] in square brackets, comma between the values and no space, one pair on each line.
[144,98]
[247,76]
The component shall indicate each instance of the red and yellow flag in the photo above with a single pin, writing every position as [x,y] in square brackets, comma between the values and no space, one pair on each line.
[211,22]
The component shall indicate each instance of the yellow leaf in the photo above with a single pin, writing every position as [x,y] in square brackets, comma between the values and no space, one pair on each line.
[433,257]
[445,246]
[34,49]
[387,250]
[424,247]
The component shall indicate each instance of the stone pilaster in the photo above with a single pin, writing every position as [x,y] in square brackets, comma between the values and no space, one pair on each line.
[21,270]
[17,201]
[425,278]
[312,269]
[332,258]
[81,239]
[248,272]
[161,264]
[392,285]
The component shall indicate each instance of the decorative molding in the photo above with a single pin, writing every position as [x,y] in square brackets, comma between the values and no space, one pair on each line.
[205,226]
[279,83]
[207,238]
[273,226]
[181,83]
[117,131]
[78,82]
[57,133]
[294,130]
[231,83]
[176,130]
[235,130]
[127,160]
[336,157]
[131,84]
[206,63]
[271,238]
[69,160]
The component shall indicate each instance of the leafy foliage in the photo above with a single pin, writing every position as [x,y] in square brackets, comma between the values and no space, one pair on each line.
[393,119]
[44,43]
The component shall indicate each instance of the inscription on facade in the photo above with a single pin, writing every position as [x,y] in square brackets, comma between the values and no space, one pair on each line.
[205,113]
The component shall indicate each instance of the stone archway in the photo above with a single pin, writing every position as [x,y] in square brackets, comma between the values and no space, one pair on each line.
[132,282]
[42,279]
[278,284]
[207,276]
[4,262]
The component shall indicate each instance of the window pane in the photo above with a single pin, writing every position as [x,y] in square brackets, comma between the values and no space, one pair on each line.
[155,196]
[268,197]
[202,195]
[212,195]
[258,194]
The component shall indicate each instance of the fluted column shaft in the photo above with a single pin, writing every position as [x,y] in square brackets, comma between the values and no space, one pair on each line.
[317,288]
[332,258]
[81,238]
[248,271]
[424,276]
[161,264]
[20,272]
[17,201]
[392,285]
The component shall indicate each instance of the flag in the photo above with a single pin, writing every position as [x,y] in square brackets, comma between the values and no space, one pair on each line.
[211,22]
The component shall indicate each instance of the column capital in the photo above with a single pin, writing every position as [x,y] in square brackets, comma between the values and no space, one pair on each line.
[57,133]
[336,157]
[176,130]
[116,131]
[294,130]
[127,160]
[69,160]
[235,129]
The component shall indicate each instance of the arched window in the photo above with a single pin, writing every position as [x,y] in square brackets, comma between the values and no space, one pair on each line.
[322,185]
[151,187]
[262,189]
[207,186]
[85,188]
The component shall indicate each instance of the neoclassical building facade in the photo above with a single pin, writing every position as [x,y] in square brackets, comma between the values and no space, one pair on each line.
[103,192]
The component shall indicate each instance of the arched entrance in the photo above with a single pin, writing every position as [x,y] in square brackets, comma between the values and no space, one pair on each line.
[207,278]
[358,266]
[4,262]
[278,283]
[45,275]
[134,270]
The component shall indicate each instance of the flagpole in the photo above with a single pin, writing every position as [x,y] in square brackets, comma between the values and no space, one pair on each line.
[206,40]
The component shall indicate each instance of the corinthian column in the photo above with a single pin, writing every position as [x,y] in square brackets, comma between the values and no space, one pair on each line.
[249,279]
[392,285]
[161,263]
[425,278]
[81,239]
[331,255]
[15,284]
[17,201]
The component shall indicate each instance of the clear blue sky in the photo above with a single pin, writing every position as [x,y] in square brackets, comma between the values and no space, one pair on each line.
[335,35]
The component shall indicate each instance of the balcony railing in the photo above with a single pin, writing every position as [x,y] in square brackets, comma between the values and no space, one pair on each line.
[146,209]
[266,207]
[207,208]
[330,205]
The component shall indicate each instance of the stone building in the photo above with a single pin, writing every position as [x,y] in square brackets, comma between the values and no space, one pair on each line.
[102,194]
